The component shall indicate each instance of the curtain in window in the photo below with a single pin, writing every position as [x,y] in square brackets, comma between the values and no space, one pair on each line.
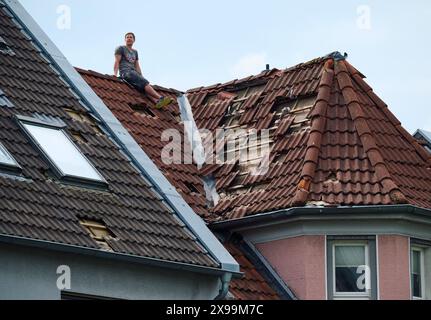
[347,261]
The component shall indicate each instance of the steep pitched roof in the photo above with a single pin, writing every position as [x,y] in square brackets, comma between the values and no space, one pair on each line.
[147,124]
[37,206]
[334,142]
[343,148]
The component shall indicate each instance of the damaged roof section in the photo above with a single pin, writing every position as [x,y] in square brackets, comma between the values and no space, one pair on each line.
[128,217]
[333,142]
[147,125]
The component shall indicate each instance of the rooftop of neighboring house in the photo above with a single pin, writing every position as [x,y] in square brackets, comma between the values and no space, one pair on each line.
[105,204]
[333,142]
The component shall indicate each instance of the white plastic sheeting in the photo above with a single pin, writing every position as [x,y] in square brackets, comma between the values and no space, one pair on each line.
[191,130]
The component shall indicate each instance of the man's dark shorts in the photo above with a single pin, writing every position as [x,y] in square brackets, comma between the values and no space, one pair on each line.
[136,80]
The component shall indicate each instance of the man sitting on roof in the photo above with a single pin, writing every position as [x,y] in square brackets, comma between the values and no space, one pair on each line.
[127,62]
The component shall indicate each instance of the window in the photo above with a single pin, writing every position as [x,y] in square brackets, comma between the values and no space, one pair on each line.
[64,156]
[352,268]
[143,110]
[349,260]
[7,162]
[417,273]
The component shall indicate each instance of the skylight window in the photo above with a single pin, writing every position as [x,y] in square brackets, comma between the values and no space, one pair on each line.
[7,162]
[64,156]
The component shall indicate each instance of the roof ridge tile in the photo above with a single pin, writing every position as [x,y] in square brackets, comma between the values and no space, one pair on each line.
[318,124]
[359,79]
[344,78]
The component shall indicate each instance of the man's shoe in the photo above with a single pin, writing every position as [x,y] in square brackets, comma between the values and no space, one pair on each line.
[164,102]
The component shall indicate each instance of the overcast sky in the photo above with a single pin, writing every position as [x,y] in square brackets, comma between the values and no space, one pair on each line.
[189,43]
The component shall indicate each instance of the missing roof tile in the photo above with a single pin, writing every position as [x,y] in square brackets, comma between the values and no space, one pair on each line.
[143,110]
[99,232]
[78,137]
[4,101]
[191,187]
[301,113]
[85,118]
[4,48]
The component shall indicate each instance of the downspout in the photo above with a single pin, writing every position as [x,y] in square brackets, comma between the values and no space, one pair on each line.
[225,283]
[198,154]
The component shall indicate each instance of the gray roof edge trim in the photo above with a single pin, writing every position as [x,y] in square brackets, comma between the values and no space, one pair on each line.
[73,249]
[425,134]
[281,287]
[196,225]
[281,216]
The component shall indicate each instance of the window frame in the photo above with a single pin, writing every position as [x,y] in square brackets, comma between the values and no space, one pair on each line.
[63,177]
[14,168]
[370,259]
[421,251]
[363,244]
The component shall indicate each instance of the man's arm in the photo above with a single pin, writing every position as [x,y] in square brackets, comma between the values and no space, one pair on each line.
[138,67]
[117,64]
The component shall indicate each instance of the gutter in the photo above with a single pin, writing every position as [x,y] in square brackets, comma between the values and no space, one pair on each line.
[124,140]
[281,215]
[96,253]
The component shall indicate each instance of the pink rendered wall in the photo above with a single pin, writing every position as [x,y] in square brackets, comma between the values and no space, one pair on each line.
[301,263]
[394,277]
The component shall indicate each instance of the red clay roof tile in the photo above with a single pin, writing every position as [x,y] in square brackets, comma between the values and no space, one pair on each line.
[349,150]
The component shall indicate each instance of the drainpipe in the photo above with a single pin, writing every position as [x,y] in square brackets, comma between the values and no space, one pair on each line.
[225,282]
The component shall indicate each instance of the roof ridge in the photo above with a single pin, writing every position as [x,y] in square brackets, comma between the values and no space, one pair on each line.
[264,74]
[119,80]
[359,79]
[366,136]
[98,74]
[318,124]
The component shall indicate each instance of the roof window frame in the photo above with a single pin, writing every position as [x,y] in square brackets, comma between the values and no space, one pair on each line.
[9,168]
[63,177]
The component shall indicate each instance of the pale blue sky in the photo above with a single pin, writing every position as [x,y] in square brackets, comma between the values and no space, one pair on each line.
[189,43]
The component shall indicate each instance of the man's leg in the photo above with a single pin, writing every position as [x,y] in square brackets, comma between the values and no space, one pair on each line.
[159,100]
[143,85]
[152,94]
